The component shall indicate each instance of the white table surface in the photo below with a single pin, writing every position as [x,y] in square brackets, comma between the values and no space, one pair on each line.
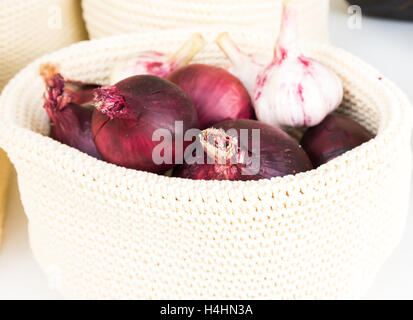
[387,45]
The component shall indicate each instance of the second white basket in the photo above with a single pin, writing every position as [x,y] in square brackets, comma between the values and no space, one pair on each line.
[106,17]
[31,28]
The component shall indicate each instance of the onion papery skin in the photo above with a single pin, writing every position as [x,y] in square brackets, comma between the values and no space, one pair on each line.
[128,113]
[216,93]
[280,155]
[335,135]
[69,107]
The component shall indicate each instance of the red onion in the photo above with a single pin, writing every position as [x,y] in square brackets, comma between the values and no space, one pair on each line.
[68,104]
[216,93]
[334,136]
[128,115]
[228,156]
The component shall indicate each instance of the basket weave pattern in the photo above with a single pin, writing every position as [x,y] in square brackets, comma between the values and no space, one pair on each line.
[103,18]
[31,28]
[4,181]
[25,34]
[101,231]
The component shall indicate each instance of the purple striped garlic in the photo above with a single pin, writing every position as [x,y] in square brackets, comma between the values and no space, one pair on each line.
[157,63]
[293,90]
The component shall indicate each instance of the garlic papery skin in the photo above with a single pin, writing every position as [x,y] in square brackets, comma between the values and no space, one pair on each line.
[146,62]
[294,90]
[244,66]
[296,94]
[157,63]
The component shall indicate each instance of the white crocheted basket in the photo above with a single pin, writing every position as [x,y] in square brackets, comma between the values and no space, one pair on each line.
[102,231]
[31,28]
[28,30]
[4,181]
[107,17]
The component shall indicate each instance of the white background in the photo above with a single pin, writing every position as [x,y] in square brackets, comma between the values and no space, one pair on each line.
[387,45]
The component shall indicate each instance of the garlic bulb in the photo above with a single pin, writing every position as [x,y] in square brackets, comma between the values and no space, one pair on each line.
[292,90]
[157,63]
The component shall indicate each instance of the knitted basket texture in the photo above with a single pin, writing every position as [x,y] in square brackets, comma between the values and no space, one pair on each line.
[102,231]
[106,17]
[28,30]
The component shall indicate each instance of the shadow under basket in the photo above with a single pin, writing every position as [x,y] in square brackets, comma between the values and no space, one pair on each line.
[101,231]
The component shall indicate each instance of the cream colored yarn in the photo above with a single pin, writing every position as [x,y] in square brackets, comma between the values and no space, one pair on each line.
[4,180]
[107,17]
[101,231]
[31,28]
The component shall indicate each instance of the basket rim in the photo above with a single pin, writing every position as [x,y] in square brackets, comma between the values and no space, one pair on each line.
[9,131]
